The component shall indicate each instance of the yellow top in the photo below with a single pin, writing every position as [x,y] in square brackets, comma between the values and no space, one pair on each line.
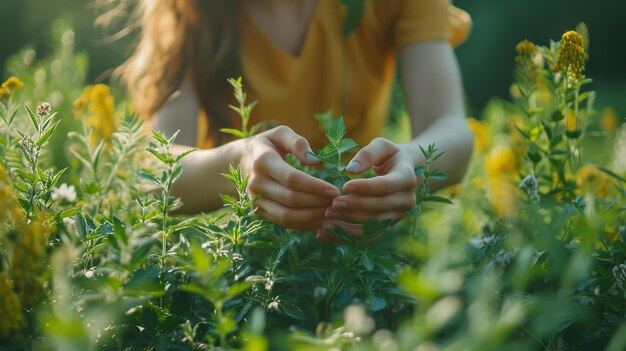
[290,90]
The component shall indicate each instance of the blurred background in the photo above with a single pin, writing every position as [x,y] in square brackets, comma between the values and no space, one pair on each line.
[486,59]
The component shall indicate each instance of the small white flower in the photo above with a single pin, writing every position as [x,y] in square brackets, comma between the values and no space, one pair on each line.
[64,192]
[357,321]
[237,257]
[90,273]
[269,283]
[273,305]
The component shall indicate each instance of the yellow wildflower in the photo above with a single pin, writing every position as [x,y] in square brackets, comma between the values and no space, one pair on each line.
[501,166]
[582,29]
[571,56]
[591,180]
[501,161]
[81,104]
[609,120]
[12,320]
[97,104]
[527,57]
[570,122]
[27,263]
[11,85]
[482,137]
[526,51]
[9,209]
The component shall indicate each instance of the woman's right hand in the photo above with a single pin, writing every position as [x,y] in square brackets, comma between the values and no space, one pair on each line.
[287,196]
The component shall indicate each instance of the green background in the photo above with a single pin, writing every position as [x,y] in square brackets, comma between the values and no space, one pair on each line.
[486,59]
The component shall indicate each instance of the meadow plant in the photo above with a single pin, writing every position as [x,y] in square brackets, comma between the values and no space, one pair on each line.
[527,253]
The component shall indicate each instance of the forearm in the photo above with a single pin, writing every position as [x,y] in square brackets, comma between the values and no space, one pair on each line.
[449,134]
[201,182]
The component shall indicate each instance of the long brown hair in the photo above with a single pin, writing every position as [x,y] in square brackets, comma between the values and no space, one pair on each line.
[195,39]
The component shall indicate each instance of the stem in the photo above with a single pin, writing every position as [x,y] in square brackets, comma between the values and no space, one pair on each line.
[220,317]
[576,92]
[566,114]
[165,207]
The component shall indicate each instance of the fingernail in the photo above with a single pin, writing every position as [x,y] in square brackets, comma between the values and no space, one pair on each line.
[310,156]
[331,192]
[340,204]
[353,166]
[348,189]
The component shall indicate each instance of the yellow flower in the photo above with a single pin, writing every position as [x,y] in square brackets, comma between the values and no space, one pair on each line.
[11,85]
[12,320]
[582,29]
[527,60]
[609,120]
[501,160]
[81,104]
[570,122]
[571,56]
[27,263]
[97,104]
[526,51]
[482,137]
[591,180]
[10,212]
[501,166]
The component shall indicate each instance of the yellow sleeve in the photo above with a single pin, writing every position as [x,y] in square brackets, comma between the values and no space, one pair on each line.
[425,20]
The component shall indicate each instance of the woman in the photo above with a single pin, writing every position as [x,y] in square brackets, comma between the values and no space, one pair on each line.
[298,58]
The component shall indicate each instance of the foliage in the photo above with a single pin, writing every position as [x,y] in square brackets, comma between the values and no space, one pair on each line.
[528,254]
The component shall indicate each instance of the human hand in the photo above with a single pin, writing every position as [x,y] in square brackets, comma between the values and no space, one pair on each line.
[389,195]
[288,196]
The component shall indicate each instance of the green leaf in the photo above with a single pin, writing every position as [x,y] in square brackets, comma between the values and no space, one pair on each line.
[184,153]
[159,137]
[336,131]
[232,131]
[81,225]
[114,243]
[368,263]
[547,129]
[346,145]
[33,118]
[25,175]
[177,172]
[238,288]
[142,250]
[573,134]
[438,175]
[96,155]
[68,213]
[377,302]
[162,157]
[291,310]
[439,199]
[557,116]
[611,173]
[201,260]
[47,134]
[144,282]
[150,178]
[354,12]
[91,188]
[170,141]
[120,230]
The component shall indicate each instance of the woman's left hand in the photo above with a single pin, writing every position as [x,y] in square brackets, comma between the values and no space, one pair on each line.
[389,195]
